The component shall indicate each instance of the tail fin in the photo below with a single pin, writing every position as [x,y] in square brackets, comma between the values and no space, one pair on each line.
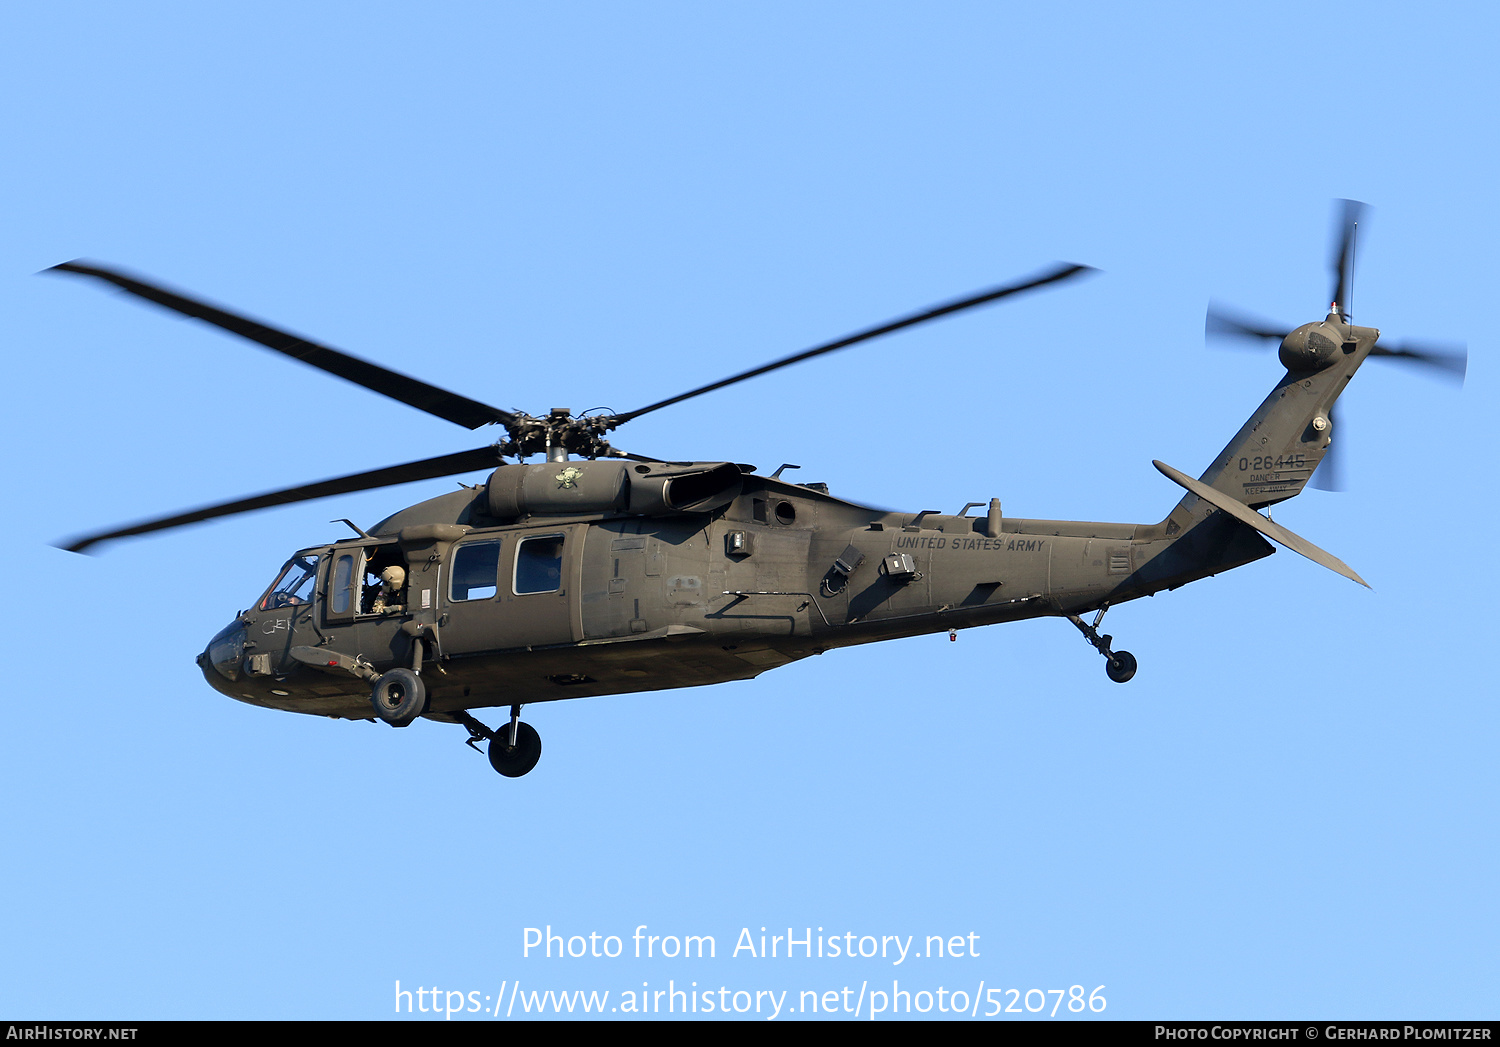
[1275,452]
[1269,460]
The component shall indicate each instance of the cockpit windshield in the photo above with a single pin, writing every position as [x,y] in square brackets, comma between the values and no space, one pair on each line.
[294,585]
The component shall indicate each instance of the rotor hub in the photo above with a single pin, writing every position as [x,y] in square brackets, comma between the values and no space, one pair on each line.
[558,435]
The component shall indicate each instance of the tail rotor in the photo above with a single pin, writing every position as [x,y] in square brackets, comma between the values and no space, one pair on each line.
[1229,326]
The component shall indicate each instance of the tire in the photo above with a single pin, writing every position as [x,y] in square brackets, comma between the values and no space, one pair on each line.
[398,697]
[1121,667]
[515,762]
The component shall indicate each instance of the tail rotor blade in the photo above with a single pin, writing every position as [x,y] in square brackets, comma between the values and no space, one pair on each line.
[1449,362]
[1329,475]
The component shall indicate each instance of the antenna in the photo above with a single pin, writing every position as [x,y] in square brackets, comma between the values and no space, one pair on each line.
[1353,256]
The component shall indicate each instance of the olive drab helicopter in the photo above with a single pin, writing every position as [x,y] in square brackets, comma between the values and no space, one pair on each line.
[597,571]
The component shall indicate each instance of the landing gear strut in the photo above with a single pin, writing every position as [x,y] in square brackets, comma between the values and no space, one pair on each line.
[1119,666]
[514,749]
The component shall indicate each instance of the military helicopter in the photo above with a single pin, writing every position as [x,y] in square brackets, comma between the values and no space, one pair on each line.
[598,571]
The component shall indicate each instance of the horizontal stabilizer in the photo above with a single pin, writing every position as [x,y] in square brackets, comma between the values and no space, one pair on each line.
[1246,515]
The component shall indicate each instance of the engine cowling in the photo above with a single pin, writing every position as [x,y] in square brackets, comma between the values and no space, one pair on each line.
[583,487]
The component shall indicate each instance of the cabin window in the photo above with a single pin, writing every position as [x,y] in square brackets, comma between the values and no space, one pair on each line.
[476,572]
[539,565]
[294,585]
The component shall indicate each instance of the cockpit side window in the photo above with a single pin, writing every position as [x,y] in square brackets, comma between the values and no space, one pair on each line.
[294,585]
[343,575]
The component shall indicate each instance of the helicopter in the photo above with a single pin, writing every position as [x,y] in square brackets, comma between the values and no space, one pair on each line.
[597,571]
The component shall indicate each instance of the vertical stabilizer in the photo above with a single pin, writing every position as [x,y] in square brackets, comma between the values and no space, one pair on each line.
[1276,451]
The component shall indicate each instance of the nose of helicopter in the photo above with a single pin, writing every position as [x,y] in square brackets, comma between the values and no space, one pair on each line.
[222,658]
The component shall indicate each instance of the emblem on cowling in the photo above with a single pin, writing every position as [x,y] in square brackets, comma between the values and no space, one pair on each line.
[569,477]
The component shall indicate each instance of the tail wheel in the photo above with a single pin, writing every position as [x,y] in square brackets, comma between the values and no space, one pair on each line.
[1121,667]
[398,697]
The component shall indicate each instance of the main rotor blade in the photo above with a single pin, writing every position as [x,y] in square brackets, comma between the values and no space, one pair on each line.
[1343,255]
[1451,362]
[1062,272]
[1227,323]
[426,469]
[470,414]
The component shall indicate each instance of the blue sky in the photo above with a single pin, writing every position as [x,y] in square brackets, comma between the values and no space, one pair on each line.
[1289,812]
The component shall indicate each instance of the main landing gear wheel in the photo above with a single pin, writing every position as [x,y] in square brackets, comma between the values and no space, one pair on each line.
[398,697]
[514,761]
[1121,667]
